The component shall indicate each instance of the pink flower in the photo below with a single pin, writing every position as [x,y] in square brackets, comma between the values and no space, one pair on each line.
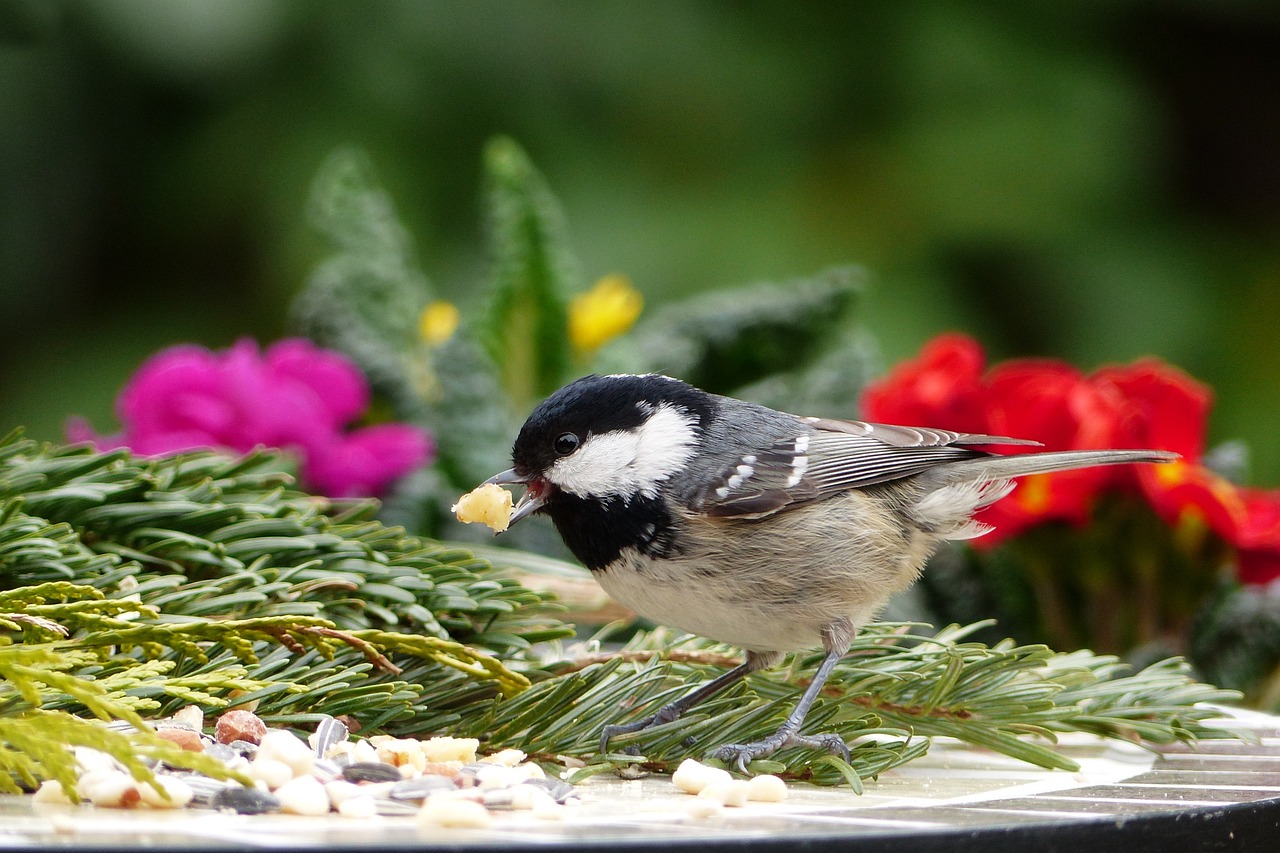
[364,461]
[295,396]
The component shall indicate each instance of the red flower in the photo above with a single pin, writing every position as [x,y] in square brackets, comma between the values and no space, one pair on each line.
[942,387]
[1258,539]
[1147,404]
[295,396]
[1183,492]
[1053,403]
[1165,408]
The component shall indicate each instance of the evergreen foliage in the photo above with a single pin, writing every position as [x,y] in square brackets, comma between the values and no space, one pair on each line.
[134,585]
[894,691]
[1235,641]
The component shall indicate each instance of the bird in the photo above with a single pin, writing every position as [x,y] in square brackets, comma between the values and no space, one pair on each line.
[768,531]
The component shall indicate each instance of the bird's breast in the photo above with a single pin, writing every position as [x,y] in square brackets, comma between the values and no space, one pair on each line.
[773,584]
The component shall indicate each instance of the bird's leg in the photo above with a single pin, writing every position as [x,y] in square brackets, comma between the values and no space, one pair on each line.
[673,711]
[836,639]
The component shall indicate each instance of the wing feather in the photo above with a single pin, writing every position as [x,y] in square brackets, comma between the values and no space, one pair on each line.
[826,457]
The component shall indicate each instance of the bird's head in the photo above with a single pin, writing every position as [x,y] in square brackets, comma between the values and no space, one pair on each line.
[605,438]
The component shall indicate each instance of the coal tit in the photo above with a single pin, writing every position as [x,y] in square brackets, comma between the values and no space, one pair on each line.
[754,527]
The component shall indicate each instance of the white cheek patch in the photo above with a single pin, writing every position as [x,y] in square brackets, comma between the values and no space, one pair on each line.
[628,462]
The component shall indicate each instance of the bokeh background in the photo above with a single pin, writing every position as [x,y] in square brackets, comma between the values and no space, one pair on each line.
[1093,180]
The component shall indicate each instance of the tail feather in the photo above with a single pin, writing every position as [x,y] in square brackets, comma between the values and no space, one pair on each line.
[955,491]
[1024,464]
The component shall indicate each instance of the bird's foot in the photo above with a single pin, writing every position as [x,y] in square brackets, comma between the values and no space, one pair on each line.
[742,754]
[613,730]
[668,714]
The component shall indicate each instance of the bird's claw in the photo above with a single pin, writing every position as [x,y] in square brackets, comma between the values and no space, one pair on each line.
[741,754]
[614,729]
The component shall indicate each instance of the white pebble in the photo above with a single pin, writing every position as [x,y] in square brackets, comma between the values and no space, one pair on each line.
[360,751]
[493,776]
[544,806]
[303,795]
[376,789]
[767,788]
[287,748]
[89,760]
[269,771]
[692,776]
[731,793]
[441,810]
[340,790]
[109,788]
[506,757]
[190,716]
[442,749]
[179,792]
[359,807]
[400,752]
[702,807]
[50,791]
[548,811]
[528,797]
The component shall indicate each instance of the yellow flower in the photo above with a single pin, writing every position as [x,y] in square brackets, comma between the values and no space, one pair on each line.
[437,322]
[605,311]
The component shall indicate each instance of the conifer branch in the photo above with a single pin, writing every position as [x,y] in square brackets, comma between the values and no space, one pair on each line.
[133,586]
[888,697]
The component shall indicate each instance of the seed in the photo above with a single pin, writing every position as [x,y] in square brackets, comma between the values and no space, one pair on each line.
[245,748]
[330,731]
[245,800]
[370,771]
[420,788]
[221,751]
[557,788]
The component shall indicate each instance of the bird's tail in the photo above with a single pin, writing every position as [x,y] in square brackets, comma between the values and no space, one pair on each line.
[953,492]
[1024,464]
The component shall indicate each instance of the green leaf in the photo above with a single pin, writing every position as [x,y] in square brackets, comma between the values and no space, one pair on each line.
[724,340]
[1235,641]
[534,272]
[366,297]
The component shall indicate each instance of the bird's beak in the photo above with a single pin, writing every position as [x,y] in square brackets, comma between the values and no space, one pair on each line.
[529,503]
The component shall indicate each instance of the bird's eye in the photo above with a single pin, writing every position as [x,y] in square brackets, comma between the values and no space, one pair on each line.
[566,443]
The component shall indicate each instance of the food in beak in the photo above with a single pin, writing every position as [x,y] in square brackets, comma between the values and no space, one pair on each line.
[491,505]
[488,504]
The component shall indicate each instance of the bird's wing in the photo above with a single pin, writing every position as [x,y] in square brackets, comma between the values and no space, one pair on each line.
[827,457]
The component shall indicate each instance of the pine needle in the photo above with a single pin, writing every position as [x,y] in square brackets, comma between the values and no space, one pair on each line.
[131,586]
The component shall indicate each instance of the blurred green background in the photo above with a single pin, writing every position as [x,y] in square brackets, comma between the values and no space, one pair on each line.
[1094,180]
